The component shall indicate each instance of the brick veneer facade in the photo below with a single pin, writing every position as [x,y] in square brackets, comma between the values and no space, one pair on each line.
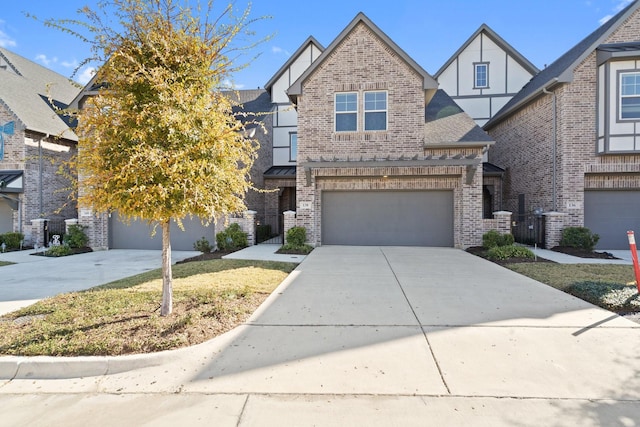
[362,62]
[524,144]
[56,188]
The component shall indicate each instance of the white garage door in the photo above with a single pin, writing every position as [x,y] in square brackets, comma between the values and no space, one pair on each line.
[611,214]
[387,218]
[137,235]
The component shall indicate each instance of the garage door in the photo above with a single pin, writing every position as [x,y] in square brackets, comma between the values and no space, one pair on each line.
[137,235]
[387,218]
[611,214]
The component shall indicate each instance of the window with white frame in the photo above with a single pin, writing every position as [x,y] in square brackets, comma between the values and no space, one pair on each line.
[375,111]
[481,74]
[293,146]
[630,96]
[346,106]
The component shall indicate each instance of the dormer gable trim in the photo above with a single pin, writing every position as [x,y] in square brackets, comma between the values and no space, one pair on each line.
[309,41]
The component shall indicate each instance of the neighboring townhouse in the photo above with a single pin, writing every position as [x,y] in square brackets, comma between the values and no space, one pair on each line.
[484,74]
[280,176]
[35,141]
[570,139]
[384,157]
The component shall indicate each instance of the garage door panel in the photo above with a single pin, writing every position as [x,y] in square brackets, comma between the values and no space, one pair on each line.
[610,214]
[137,235]
[392,218]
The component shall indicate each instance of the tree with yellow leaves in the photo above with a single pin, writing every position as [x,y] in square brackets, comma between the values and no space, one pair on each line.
[159,141]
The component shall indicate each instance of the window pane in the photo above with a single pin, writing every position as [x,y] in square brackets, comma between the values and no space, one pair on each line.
[346,102]
[481,75]
[375,121]
[375,101]
[630,84]
[630,108]
[346,122]
[293,147]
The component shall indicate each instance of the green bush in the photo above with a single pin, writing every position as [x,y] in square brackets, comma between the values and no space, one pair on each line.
[58,251]
[76,237]
[202,245]
[263,232]
[493,239]
[231,239]
[579,237]
[296,236]
[511,251]
[613,296]
[12,240]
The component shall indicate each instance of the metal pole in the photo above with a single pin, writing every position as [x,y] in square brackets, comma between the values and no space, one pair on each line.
[634,257]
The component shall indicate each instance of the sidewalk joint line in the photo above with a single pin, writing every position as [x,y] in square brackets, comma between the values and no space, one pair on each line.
[244,406]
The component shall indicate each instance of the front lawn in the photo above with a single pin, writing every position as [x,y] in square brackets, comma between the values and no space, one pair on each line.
[3,263]
[210,298]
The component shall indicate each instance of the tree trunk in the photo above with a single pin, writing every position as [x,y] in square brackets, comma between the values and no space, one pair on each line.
[167,289]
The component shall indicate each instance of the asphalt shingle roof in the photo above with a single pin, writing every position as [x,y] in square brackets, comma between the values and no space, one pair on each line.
[25,88]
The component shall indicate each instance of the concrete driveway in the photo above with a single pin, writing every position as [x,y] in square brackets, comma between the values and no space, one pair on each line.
[35,277]
[370,336]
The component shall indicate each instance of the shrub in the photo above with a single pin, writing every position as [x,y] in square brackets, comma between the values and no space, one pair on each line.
[579,237]
[263,232]
[233,238]
[12,240]
[493,239]
[511,251]
[76,237]
[613,296]
[202,245]
[58,251]
[296,236]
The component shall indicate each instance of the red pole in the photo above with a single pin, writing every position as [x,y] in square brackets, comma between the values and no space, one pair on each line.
[634,257]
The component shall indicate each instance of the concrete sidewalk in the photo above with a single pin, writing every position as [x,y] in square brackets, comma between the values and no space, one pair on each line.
[365,336]
[624,257]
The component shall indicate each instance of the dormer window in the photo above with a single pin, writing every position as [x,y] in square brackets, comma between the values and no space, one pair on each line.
[481,73]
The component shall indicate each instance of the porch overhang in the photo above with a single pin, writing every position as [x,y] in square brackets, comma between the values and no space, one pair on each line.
[11,181]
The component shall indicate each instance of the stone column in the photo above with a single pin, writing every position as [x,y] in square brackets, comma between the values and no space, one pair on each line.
[503,221]
[68,223]
[289,222]
[553,226]
[37,232]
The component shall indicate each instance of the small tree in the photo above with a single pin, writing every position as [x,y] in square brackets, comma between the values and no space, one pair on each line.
[159,141]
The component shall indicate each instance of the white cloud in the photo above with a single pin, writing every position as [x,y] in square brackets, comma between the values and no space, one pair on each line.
[85,75]
[5,40]
[69,64]
[278,50]
[621,5]
[46,60]
[228,84]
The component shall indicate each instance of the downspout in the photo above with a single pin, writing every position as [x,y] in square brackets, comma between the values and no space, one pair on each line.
[553,149]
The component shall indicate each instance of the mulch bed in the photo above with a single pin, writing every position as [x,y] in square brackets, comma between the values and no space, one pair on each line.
[74,251]
[582,253]
[482,253]
[206,256]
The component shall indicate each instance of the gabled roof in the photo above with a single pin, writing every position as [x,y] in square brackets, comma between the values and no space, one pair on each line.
[447,124]
[428,81]
[25,88]
[561,71]
[311,40]
[484,28]
[255,103]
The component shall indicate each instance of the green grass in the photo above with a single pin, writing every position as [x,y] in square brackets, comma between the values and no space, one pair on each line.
[3,263]
[122,317]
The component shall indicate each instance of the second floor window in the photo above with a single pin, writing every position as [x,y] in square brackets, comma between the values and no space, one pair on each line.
[375,111]
[630,96]
[481,73]
[293,146]
[346,112]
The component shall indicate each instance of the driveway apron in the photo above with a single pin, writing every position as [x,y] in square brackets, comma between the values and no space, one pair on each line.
[410,321]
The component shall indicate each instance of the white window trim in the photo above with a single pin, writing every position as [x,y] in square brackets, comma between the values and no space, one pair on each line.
[620,96]
[475,75]
[336,112]
[386,111]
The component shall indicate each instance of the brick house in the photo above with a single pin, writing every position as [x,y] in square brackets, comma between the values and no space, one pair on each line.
[35,142]
[384,157]
[570,139]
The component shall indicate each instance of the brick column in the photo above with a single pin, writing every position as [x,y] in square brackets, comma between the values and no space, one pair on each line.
[37,232]
[289,222]
[553,226]
[97,228]
[249,226]
[503,221]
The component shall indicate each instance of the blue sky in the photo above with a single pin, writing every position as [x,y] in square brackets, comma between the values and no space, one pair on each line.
[430,31]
